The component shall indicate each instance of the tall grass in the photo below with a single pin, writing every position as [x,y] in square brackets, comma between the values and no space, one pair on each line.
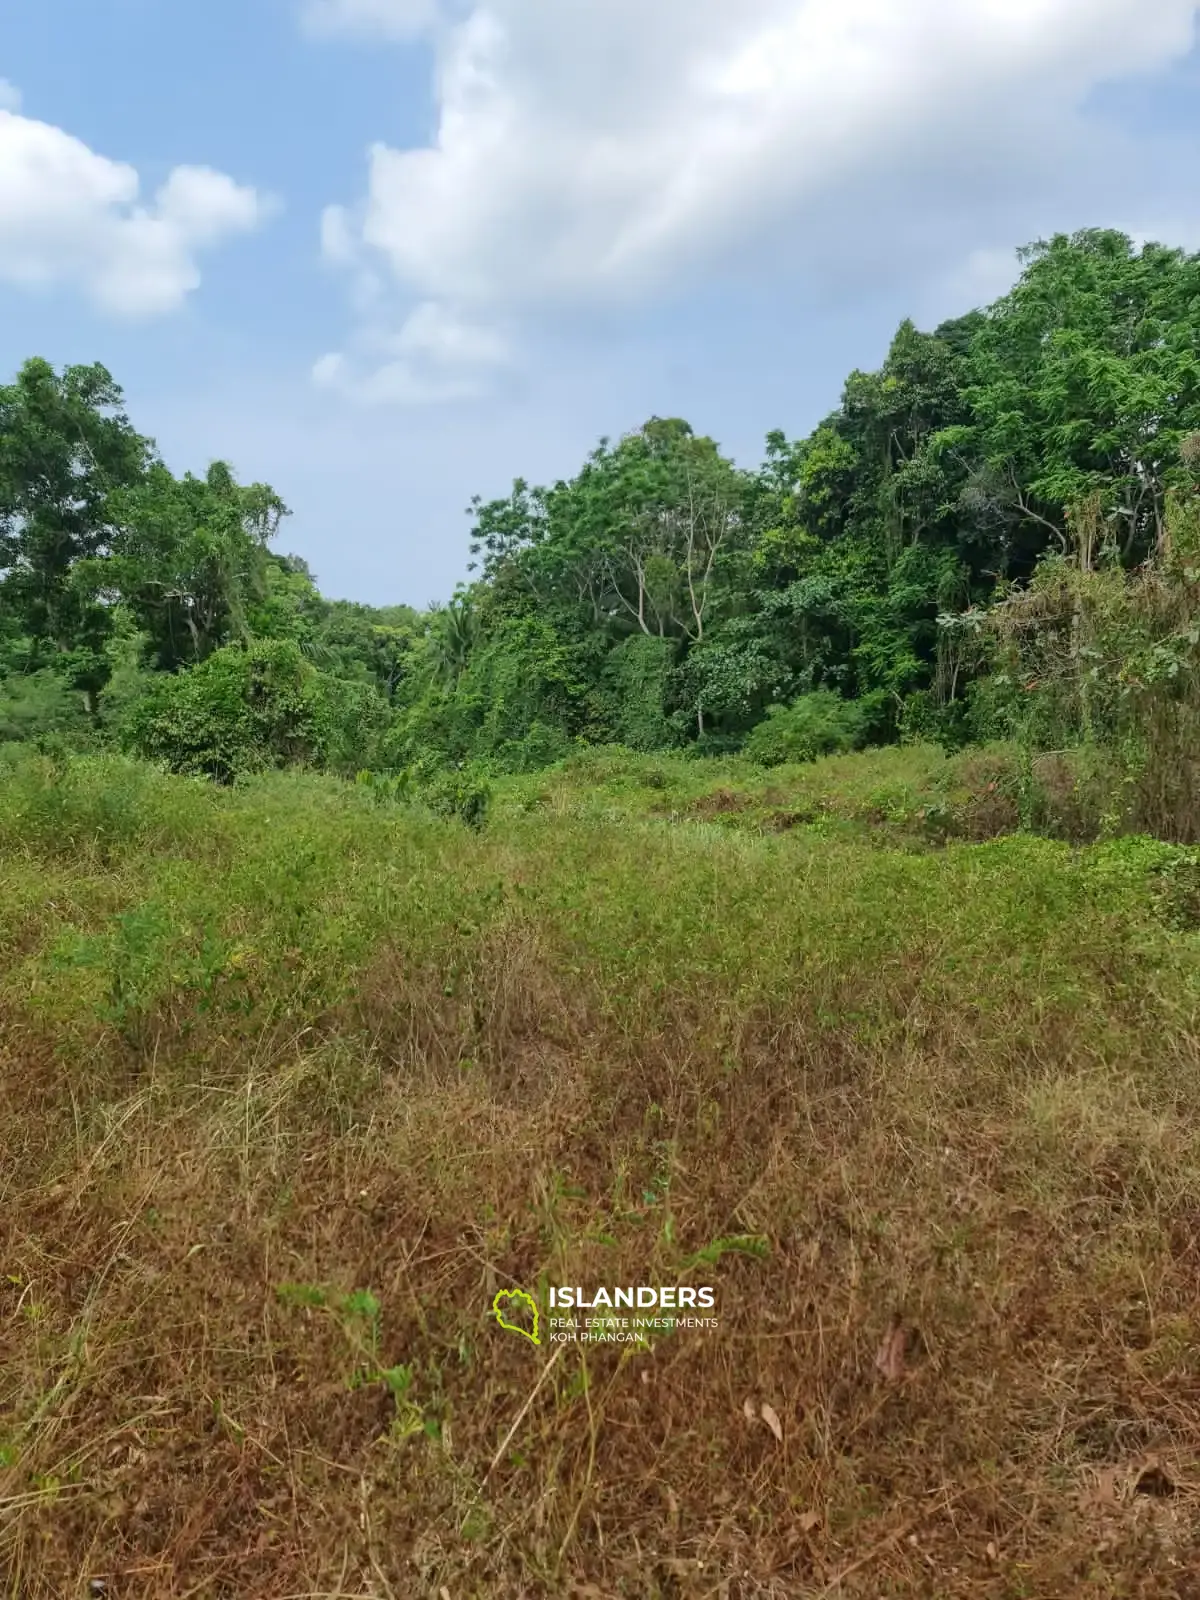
[295,1083]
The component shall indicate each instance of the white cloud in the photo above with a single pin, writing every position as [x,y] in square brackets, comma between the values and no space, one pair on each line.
[436,355]
[597,152]
[395,19]
[10,96]
[69,216]
[433,331]
[338,241]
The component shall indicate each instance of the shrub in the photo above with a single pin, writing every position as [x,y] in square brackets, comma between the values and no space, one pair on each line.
[817,724]
[39,708]
[636,680]
[463,792]
[541,747]
[349,723]
[246,710]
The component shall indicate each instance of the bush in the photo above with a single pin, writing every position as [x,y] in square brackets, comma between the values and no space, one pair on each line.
[247,710]
[541,747]
[464,793]
[924,719]
[636,679]
[40,709]
[349,723]
[817,724]
[100,806]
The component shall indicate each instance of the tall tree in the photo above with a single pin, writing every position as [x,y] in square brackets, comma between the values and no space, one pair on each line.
[189,558]
[1086,380]
[66,447]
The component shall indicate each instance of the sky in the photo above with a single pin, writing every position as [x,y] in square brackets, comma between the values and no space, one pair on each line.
[388,254]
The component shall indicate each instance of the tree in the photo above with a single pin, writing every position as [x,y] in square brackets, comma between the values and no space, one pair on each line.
[190,558]
[640,538]
[1086,379]
[66,449]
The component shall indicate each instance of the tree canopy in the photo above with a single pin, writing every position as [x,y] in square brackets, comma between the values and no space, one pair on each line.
[663,595]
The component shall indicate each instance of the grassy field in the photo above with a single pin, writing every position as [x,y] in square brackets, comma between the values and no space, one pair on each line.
[292,1083]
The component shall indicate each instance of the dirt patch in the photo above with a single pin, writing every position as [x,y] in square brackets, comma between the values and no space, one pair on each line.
[721,803]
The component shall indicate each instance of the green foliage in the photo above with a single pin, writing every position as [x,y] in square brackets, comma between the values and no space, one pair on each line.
[93,807]
[645,537]
[244,710]
[66,448]
[40,708]
[188,558]
[915,555]
[1085,381]
[748,1244]
[1109,659]
[386,789]
[349,722]
[520,698]
[462,792]
[817,724]
[635,689]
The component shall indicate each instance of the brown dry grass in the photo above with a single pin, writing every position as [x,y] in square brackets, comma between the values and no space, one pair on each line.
[968,1136]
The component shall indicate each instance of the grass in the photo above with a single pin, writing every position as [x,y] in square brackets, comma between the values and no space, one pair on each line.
[907,797]
[294,1084]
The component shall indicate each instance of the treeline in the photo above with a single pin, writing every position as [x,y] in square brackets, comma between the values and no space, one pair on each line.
[990,537]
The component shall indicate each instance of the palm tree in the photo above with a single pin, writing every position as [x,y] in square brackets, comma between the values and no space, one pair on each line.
[453,634]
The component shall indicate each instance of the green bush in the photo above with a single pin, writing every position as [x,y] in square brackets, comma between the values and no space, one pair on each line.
[636,680]
[349,723]
[247,710]
[99,805]
[541,747]
[517,703]
[464,792]
[817,724]
[40,709]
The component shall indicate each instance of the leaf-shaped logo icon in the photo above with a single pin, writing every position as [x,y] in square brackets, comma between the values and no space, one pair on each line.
[513,1302]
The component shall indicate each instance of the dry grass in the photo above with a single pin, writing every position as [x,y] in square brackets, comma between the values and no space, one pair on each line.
[955,1095]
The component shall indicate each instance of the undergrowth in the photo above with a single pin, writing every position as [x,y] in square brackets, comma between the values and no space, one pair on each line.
[295,1081]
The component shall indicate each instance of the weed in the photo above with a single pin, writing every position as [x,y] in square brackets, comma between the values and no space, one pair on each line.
[917,1096]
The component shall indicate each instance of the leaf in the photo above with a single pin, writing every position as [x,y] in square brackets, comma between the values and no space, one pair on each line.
[810,1521]
[748,1410]
[771,1417]
[889,1358]
[749,1244]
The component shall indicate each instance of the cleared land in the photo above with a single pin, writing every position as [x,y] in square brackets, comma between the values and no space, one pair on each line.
[293,1083]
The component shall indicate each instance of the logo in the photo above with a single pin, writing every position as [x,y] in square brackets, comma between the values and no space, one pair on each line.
[683,1298]
[514,1301]
[656,1312]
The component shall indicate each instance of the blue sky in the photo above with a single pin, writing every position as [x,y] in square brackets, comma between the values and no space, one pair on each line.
[386,254]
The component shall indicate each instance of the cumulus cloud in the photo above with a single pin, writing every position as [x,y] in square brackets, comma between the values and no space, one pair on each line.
[10,96]
[436,355]
[69,216]
[395,19]
[593,153]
